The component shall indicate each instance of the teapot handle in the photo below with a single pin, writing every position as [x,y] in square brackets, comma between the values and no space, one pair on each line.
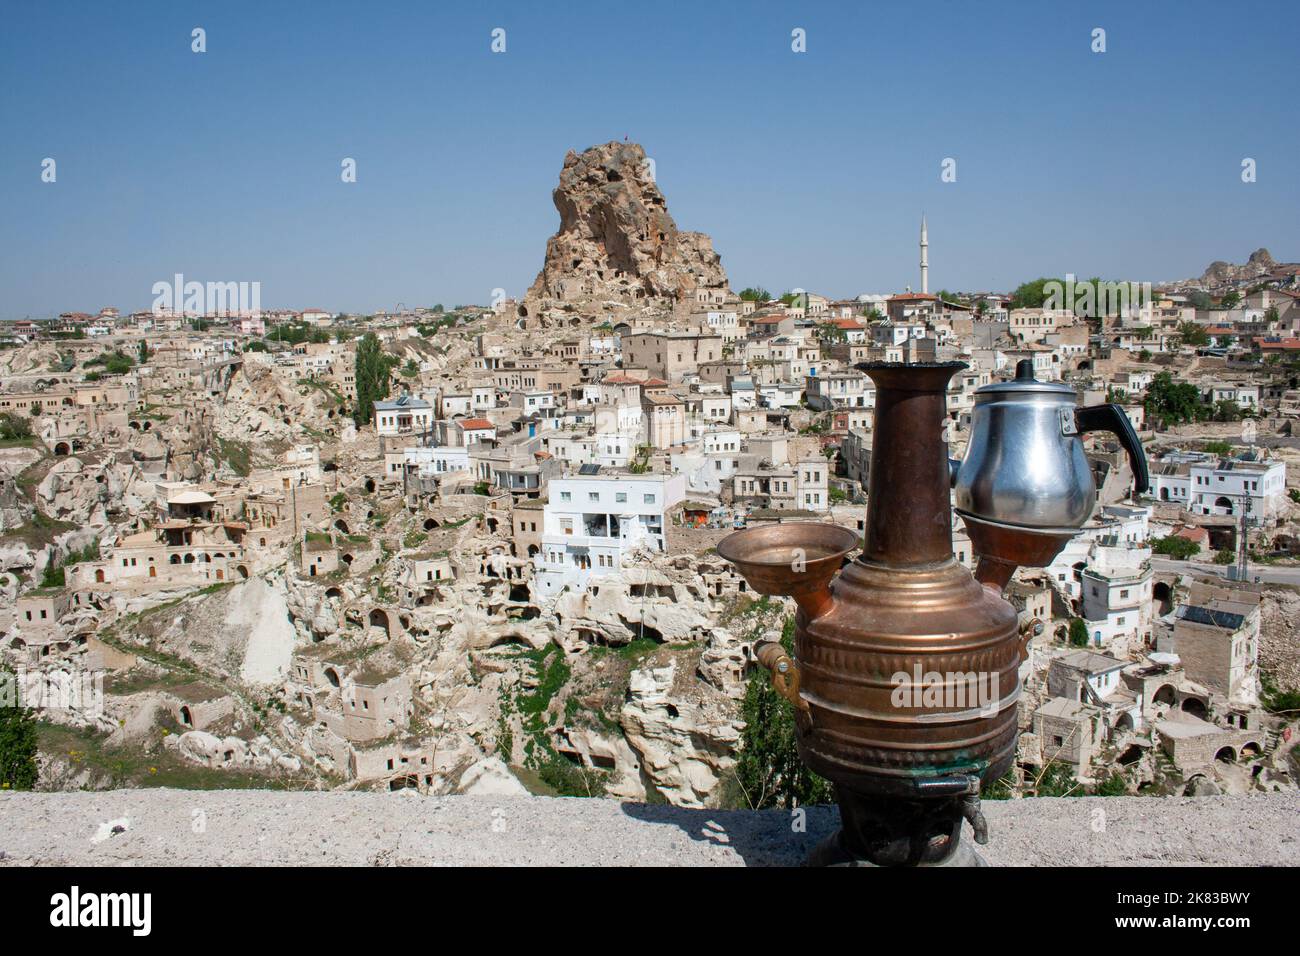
[1111,418]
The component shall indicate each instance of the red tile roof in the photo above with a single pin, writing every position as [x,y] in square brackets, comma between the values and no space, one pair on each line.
[475,424]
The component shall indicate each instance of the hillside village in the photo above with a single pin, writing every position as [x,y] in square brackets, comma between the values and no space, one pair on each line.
[472,549]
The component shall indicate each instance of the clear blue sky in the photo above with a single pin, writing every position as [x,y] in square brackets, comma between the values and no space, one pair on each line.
[808,170]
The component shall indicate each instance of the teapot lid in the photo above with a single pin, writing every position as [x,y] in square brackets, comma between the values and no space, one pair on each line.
[1025,382]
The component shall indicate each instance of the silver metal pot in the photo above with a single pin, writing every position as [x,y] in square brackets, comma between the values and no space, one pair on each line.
[1025,465]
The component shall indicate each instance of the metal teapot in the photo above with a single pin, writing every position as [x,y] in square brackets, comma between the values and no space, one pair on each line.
[1025,465]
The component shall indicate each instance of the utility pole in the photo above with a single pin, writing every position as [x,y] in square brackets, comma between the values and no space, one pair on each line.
[1243,548]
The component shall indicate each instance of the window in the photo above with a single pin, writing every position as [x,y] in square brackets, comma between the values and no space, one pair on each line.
[648,499]
[593,496]
[565,496]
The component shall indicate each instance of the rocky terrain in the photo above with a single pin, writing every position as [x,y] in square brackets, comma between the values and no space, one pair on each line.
[1260,264]
[617,247]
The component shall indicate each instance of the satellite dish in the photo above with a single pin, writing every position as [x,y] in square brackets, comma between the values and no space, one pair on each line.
[1161,657]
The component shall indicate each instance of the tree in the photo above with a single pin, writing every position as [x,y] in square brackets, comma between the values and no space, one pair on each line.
[1173,402]
[144,351]
[831,333]
[1231,300]
[1193,334]
[1226,410]
[758,294]
[18,745]
[12,427]
[373,373]
[1144,355]
[1180,549]
[1078,632]
[768,768]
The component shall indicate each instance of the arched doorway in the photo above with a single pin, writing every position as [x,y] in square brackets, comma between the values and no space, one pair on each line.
[1225,503]
[1195,707]
[99,575]
[1165,695]
[187,718]
[62,448]
[1163,595]
[379,618]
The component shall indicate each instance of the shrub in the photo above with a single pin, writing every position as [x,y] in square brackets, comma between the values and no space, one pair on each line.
[12,427]
[1078,632]
[18,769]
[1175,547]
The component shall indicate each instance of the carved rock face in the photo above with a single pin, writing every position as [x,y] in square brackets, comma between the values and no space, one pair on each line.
[617,242]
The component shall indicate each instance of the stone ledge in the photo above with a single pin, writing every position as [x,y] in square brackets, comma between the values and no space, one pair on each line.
[250,827]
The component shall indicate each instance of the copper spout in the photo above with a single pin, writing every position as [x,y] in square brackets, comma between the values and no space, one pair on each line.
[784,671]
[796,560]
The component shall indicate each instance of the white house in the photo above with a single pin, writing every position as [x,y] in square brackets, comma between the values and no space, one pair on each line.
[1116,588]
[403,416]
[590,521]
[1209,485]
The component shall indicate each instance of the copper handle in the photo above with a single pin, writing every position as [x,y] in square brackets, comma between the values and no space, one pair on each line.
[785,672]
[1028,631]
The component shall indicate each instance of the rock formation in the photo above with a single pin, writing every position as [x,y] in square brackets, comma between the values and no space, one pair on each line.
[1220,273]
[617,246]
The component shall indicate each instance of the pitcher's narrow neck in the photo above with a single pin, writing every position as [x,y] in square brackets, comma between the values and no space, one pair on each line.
[909,520]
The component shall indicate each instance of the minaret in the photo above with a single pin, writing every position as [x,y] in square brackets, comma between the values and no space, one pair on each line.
[925,259]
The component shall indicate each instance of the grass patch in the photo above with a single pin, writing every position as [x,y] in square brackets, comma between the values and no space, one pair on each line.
[130,766]
[237,454]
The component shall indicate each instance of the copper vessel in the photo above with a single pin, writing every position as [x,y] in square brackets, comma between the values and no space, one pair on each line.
[906,679]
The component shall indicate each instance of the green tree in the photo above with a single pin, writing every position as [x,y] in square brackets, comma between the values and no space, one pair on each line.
[1227,410]
[144,351]
[1220,448]
[1180,549]
[831,333]
[12,427]
[1194,335]
[1231,300]
[768,769]
[1078,632]
[373,374]
[1173,402]
[758,294]
[18,769]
